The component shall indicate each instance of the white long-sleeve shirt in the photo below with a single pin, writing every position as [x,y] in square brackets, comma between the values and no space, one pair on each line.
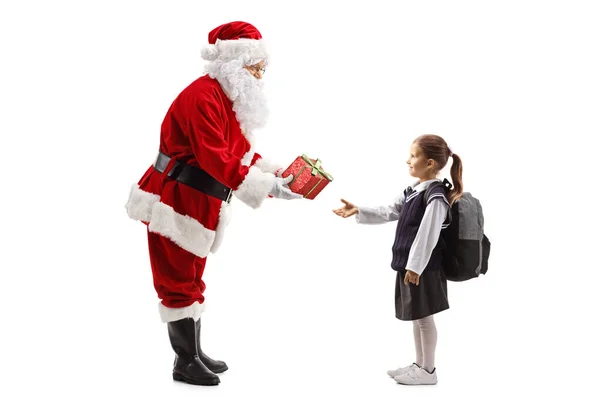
[429,229]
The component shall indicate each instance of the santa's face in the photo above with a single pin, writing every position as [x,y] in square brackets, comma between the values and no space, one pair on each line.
[244,87]
[257,70]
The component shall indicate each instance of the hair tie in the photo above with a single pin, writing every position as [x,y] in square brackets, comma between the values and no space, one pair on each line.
[451,153]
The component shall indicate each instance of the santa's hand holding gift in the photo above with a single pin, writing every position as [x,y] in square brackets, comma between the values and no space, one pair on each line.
[206,157]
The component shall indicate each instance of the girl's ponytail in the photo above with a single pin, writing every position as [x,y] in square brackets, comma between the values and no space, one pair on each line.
[456,175]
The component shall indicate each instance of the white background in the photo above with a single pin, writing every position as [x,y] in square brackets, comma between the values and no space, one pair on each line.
[300,301]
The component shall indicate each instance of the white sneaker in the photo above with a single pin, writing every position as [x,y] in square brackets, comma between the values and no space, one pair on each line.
[403,370]
[418,376]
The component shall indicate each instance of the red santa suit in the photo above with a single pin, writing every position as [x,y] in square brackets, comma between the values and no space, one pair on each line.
[208,126]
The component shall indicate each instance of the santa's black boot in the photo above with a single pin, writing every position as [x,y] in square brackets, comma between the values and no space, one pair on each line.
[188,367]
[214,365]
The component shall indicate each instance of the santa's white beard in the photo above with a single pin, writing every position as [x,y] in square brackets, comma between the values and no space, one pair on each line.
[244,90]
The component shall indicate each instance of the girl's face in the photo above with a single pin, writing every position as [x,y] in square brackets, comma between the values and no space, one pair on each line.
[419,166]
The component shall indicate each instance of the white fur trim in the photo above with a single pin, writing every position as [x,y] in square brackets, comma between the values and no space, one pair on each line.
[249,51]
[168,314]
[247,159]
[185,231]
[255,188]
[139,205]
[224,218]
[267,166]
[188,233]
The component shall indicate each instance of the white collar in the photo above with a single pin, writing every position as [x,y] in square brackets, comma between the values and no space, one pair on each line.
[420,186]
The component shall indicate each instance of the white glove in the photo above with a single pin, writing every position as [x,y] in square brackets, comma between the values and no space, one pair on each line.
[281,190]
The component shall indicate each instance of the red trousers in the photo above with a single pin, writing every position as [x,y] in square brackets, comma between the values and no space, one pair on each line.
[177,275]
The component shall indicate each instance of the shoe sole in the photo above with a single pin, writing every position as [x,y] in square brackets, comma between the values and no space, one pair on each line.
[207,382]
[416,384]
[219,370]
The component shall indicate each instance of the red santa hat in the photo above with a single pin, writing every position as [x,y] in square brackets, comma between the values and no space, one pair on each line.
[235,41]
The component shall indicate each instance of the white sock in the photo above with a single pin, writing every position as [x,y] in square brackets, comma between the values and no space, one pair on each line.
[418,344]
[428,341]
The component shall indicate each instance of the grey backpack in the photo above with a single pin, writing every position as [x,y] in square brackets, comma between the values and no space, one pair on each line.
[467,248]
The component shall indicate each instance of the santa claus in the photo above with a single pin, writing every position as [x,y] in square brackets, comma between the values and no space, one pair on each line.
[206,156]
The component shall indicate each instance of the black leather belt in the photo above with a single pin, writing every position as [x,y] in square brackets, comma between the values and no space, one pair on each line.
[193,177]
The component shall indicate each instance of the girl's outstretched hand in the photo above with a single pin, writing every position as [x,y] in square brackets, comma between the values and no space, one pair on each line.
[347,210]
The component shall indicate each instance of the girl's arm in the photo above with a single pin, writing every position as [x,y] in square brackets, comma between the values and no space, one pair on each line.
[428,235]
[381,214]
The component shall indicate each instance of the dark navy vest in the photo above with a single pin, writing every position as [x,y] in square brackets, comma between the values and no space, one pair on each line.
[407,228]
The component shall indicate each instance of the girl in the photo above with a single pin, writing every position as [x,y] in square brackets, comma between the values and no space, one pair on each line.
[421,286]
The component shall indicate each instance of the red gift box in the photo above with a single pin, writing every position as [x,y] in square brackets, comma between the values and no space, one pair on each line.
[309,178]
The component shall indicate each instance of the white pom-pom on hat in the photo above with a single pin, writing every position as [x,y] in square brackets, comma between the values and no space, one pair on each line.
[210,52]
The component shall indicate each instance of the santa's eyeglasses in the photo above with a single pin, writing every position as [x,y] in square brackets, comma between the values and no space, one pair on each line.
[256,69]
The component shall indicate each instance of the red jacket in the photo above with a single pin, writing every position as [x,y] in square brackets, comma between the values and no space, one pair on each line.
[200,129]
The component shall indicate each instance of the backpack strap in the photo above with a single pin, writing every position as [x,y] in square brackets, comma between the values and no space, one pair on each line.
[446,183]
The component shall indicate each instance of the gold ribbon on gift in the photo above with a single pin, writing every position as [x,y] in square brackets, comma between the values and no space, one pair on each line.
[316,167]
